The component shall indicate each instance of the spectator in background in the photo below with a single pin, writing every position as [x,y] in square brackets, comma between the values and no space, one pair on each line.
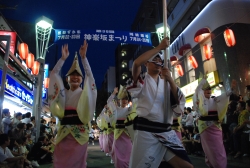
[189,119]
[27,120]
[17,119]
[247,93]
[18,132]
[6,121]
[6,155]
[33,121]
[238,130]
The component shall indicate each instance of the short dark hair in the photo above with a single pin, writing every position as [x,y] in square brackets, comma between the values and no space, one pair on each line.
[20,125]
[32,118]
[3,138]
[189,109]
[242,104]
[41,138]
[6,111]
[28,126]
[28,115]
[19,114]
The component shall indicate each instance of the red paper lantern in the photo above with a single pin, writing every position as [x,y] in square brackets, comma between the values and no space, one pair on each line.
[207,51]
[35,68]
[179,70]
[193,61]
[30,60]
[46,83]
[23,50]
[229,37]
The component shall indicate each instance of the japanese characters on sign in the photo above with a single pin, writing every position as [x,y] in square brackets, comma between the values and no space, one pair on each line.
[141,38]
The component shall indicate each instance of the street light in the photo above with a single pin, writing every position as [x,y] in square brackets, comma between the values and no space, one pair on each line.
[6,60]
[43,31]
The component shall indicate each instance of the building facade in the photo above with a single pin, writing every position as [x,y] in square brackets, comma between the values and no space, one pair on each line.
[195,27]
[109,84]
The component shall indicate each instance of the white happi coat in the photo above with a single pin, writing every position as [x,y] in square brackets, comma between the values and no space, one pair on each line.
[147,150]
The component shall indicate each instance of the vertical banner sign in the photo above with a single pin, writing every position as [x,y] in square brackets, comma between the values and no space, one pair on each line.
[12,41]
[140,38]
[46,75]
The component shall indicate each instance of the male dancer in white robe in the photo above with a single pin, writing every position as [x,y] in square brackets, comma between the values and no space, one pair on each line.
[153,138]
[212,111]
[74,108]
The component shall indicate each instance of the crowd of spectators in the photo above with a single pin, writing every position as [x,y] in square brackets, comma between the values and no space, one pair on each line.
[235,127]
[18,145]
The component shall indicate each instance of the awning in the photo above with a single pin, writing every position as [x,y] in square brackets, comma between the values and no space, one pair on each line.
[183,48]
[201,34]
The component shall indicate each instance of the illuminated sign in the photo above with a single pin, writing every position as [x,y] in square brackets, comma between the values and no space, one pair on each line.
[12,41]
[13,88]
[212,78]
[189,89]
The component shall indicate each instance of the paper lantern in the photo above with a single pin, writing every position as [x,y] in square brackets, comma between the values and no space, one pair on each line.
[46,83]
[30,60]
[193,61]
[35,68]
[207,51]
[229,37]
[23,50]
[179,70]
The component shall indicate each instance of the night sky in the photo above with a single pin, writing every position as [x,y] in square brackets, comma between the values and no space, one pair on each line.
[79,14]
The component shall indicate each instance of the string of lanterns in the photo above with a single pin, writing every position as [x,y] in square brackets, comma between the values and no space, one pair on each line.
[199,36]
[30,61]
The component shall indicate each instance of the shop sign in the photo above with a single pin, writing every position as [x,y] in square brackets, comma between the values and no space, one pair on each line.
[13,88]
[189,89]
[12,41]
[212,78]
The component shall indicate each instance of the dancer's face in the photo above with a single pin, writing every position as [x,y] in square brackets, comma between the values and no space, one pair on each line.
[74,80]
[207,93]
[154,66]
[124,102]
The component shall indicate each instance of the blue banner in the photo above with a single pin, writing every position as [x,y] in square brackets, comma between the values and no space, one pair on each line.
[13,88]
[139,38]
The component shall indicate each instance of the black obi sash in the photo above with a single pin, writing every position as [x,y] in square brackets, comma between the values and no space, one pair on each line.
[71,118]
[175,123]
[212,116]
[120,124]
[144,124]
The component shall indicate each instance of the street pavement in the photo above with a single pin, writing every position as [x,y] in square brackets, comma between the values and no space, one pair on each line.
[98,159]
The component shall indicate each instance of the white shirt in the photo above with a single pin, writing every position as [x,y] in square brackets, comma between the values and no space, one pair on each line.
[189,120]
[4,154]
[26,120]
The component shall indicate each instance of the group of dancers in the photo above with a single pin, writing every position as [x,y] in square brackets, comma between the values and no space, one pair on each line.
[134,135]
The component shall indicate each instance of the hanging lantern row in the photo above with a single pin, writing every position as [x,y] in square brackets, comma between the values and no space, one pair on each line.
[29,58]
[46,83]
[229,37]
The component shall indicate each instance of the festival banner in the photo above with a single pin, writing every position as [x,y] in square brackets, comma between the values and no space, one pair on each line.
[139,38]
